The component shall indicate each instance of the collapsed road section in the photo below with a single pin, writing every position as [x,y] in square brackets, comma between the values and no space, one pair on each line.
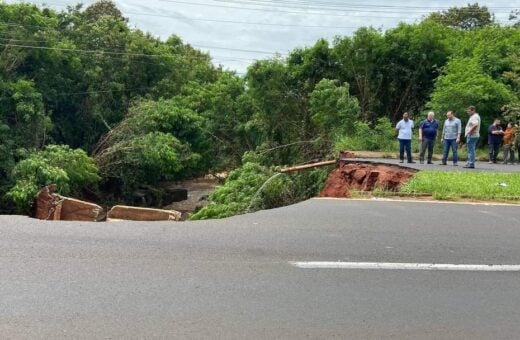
[352,176]
[356,175]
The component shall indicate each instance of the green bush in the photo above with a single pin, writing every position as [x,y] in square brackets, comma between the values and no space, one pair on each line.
[157,141]
[380,137]
[291,188]
[254,187]
[235,196]
[69,169]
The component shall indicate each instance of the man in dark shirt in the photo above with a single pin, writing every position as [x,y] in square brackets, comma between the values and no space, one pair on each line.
[495,133]
[427,136]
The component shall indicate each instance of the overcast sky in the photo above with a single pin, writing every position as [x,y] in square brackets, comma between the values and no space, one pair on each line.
[236,32]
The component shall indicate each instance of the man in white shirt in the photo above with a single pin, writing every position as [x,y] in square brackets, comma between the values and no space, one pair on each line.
[472,134]
[404,129]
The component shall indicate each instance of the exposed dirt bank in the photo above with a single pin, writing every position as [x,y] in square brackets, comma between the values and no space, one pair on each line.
[360,176]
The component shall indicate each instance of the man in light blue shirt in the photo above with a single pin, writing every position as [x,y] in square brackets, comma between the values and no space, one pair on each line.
[450,137]
[404,129]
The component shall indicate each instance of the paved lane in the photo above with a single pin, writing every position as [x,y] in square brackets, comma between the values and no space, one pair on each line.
[479,166]
[232,278]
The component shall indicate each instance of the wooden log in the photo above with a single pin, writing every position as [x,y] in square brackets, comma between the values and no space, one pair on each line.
[308,166]
[121,212]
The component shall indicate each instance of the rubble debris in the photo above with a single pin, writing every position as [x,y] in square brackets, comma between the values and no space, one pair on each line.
[364,177]
[52,206]
[121,212]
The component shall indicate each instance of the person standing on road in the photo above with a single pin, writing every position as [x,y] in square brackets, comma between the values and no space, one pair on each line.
[495,134]
[509,139]
[404,129]
[450,137]
[472,134]
[427,136]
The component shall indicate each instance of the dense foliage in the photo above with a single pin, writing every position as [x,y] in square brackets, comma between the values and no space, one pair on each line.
[70,170]
[147,111]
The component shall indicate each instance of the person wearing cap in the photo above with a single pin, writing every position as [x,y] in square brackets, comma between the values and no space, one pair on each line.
[404,129]
[472,134]
[450,137]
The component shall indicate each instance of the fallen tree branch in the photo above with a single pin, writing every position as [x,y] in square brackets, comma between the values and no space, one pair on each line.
[308,166]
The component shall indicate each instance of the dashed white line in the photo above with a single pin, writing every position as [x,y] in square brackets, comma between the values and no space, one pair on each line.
[407,266]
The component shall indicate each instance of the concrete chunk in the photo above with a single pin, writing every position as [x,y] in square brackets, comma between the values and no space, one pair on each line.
[52,206]
[121,212]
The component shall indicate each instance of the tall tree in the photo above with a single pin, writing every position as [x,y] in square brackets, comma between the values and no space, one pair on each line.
[466,18]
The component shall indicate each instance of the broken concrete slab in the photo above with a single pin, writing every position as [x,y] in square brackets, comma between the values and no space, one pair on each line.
[52,206]
[122,212]
[46,204]
[76,210]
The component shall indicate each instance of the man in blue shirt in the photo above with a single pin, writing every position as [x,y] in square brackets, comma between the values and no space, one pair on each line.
[427,136]
[404,129]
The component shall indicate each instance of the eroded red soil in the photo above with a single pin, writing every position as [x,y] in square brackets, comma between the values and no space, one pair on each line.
[364,177]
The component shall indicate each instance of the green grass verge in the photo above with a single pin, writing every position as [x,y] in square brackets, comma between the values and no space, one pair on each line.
[465,185]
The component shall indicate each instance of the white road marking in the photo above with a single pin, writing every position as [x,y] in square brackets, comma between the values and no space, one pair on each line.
[407,266]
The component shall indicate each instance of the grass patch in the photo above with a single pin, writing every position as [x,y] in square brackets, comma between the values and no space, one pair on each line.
[465,185]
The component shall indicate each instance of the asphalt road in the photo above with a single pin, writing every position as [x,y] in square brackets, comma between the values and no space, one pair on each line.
[479,166]
[232,278]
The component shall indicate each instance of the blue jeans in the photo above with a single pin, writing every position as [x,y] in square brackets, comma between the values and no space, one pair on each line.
[405,144]
[471,143]
[449,144]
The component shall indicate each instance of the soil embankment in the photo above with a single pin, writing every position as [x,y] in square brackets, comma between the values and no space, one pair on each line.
[364,176]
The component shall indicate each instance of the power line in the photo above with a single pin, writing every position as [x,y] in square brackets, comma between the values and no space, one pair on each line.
[87,51]
[405,8]
[263,9]
[223,21]
[117,53]
[244,22]
[241,22]
[111,53]
[271,9]
[306,3]
[234,49]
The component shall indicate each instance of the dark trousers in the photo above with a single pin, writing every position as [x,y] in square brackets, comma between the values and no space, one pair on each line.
[405,144]
[427,144]
[449,143]
[494,148]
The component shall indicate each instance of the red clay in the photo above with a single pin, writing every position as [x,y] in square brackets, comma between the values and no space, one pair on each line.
[364,177]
